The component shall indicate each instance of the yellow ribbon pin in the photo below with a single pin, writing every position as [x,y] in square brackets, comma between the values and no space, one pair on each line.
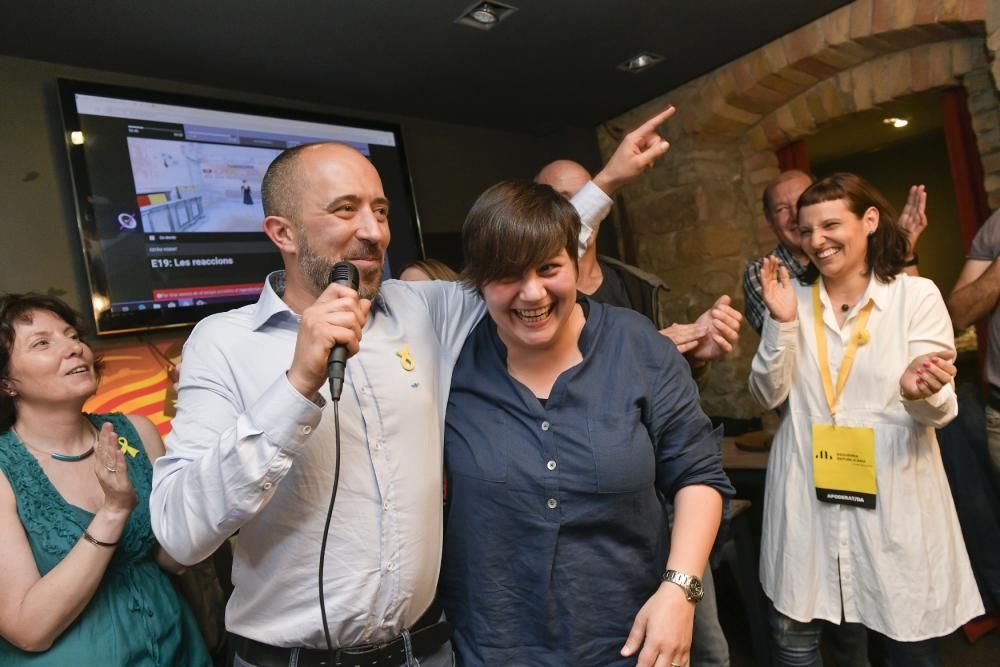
[127,448]
[405,358]
[864,337]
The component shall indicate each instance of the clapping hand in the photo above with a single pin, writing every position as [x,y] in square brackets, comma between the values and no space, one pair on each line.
[112,473]
[913,219]
[927,374]
[722,329]
[777,290]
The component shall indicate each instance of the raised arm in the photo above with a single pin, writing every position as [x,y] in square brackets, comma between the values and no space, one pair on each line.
[638,151]
[975,293]
[913,222]
[774,364]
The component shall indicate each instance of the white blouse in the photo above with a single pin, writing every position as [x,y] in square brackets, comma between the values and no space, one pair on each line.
[902,568]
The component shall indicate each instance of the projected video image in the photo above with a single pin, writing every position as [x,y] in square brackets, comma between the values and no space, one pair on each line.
[183,186]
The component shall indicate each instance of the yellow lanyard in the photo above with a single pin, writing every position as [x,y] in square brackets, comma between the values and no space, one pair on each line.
[852,349]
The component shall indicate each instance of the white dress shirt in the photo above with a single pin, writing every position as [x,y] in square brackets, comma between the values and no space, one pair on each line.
[247,452]
[902,568]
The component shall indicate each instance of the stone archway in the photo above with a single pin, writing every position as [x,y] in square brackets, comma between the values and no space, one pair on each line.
[696,218]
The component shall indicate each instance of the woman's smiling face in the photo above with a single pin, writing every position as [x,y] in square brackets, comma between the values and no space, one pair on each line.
[532,310]
[834,238]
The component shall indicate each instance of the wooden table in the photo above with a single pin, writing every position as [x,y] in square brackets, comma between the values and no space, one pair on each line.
[734,458]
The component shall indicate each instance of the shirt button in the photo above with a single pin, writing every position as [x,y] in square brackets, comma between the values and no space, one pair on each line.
[385,506]
[390,567]
[546,425]
[307,429]
[551,465]
[267,486]
[553,503]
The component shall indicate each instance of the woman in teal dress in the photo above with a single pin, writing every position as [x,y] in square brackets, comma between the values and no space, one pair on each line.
[82,580]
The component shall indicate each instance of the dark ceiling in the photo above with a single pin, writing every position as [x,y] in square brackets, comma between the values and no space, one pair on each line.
[551,64]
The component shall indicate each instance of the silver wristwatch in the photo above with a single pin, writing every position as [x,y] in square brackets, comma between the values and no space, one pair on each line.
[691,585]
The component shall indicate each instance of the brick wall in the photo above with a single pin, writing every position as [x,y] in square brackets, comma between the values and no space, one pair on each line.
[696,218]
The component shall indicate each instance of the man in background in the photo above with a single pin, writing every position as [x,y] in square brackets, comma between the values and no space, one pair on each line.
[975,295]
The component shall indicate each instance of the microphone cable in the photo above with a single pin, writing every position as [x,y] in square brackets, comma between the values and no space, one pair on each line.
[326,531]
[343,273]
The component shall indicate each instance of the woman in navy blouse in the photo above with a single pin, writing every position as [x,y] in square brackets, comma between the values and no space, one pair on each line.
[569,424]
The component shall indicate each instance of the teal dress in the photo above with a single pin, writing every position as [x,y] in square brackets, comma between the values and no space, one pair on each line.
[135,617]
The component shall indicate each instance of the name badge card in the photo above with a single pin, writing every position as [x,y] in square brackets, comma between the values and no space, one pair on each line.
[843,456]
[844,465]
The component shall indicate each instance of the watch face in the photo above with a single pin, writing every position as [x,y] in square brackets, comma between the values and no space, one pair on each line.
[696,589]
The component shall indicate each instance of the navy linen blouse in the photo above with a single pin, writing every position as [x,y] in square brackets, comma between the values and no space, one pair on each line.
[556,532]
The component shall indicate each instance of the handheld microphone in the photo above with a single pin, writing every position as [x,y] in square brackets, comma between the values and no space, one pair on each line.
[342,273]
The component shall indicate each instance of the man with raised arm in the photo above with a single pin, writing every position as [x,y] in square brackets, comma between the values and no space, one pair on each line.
[609,281]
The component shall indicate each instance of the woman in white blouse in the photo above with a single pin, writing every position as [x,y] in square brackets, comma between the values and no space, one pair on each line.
[859,522]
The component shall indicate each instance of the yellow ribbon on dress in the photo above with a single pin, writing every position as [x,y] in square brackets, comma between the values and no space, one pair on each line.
[125,447]
[405,358]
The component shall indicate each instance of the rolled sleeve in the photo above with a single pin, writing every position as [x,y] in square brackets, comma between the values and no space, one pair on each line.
[689,450]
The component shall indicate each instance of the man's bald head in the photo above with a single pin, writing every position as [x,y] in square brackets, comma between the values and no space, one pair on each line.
[564,176]
[279,190]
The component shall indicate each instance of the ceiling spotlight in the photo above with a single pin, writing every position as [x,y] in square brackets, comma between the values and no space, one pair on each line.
[485,15]
[640,62]
[896,122]
[76,138]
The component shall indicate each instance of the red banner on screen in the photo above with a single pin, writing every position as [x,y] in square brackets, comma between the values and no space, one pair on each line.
[211,292]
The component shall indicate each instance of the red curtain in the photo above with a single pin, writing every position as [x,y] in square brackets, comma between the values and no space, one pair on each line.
[793,156]
[966,168]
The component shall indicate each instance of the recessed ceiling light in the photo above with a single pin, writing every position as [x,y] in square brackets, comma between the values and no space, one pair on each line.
[640,62]
[896,122]
[485,15]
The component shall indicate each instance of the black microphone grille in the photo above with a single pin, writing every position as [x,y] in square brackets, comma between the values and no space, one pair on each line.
[345,273]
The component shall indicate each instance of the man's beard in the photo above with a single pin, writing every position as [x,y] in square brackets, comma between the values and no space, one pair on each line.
[316,268]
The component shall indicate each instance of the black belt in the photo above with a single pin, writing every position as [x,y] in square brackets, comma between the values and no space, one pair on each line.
[427,635]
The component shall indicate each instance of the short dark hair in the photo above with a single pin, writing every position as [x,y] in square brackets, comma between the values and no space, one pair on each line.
[277,190]
[16,308]
[888,246]
[514,226]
